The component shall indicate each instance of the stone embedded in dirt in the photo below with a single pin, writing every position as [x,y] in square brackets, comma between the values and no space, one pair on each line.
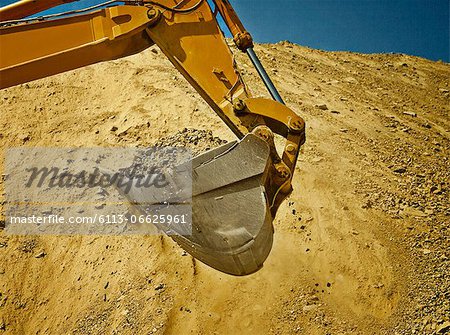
[114,128]
[410,114]
[351,80]
[41,254]
[308,308]
[159,287]
[335,112]
[443,90]
[367,205]
[25,137]
[434,189]
[28,246]
[443,328]
[322,107]
[413,212]
[399,169]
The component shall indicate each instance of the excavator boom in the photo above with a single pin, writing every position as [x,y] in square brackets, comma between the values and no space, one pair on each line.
[235,234]
[24,8]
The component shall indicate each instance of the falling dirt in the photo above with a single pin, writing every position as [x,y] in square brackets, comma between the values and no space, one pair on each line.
[360,247]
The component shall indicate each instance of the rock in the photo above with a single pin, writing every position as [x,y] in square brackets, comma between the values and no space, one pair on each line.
[367,205]
[443,328]
[322,107]
[411,211]
[444,90]
[399,169]
[159,287]
[308,308]
[410,114]
[24,137]
[351,80]
[100,206]
[41,254]
[335,112]
[114,128]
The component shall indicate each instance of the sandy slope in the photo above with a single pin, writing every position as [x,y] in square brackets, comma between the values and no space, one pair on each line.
[361,246]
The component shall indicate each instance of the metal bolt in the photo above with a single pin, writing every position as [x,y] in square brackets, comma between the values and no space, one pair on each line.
[283,172]
[290,148]
[238,105]
[152,13]
[296,125]
[263,132]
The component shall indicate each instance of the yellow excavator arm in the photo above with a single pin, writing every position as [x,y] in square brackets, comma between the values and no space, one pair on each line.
[187,32]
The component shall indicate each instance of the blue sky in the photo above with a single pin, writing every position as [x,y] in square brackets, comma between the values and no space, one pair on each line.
[415,27]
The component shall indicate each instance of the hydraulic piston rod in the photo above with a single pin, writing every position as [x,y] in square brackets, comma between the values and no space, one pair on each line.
[264,76]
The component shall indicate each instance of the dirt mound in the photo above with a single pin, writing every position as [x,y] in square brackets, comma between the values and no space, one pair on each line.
[195,139]
[361,245]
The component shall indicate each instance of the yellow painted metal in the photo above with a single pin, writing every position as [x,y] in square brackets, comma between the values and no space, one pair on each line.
[24,8]
[36,50]
[197,48]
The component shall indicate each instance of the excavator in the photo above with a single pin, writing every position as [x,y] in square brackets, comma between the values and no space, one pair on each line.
[236,188]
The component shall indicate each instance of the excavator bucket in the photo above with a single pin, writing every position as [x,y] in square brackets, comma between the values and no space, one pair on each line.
[231,221]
